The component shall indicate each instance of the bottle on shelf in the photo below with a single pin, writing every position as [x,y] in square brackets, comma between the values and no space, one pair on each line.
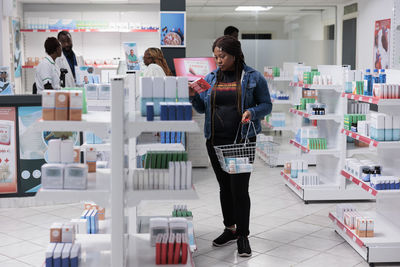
[376,76]
[368,83]
[382,76]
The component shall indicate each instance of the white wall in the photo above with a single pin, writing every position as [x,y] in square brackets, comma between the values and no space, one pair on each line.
[309,27]
[201,33]
[368,12]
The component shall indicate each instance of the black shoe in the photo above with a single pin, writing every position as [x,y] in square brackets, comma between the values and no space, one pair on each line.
[225,238]
[243,246]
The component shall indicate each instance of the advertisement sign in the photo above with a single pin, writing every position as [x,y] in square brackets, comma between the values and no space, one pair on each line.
[17,48]
[131,56]
[194,68]
[5,83]
[172,29]
[8,151]
[382,44]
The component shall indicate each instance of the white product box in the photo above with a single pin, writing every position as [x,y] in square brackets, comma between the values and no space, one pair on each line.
[80,225]
[183,171]
[146,179]
[177,185]
[49,254]
[171,170]
[188,175]
[67,151]
[92,91]
[157,226]
[75,176]
[170,87]
[158,87]
[68,233]
[57,254]
[151,179]
[53,151]
[141,180]
[65,254]
[75,255]
[104,91]
[146,87]
[178,225]
[183,88]
[53,176]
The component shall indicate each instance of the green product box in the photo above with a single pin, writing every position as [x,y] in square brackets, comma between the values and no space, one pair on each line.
[158,160]
[174,156]
[179,156]
[169,158]
[184,156]
[164,160]
[147,161]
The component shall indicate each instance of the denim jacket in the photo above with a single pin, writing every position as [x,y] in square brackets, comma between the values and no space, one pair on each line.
[255,98]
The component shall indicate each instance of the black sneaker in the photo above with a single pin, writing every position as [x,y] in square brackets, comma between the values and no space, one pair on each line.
[225,238]
[243,246]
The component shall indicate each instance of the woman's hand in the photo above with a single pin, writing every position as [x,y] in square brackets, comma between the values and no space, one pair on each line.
[246,117]
[192,92]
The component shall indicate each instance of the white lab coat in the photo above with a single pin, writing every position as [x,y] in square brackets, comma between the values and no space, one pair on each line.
[153,70]
[47,71]
[62,63]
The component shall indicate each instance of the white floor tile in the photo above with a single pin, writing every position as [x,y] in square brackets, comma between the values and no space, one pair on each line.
[327,260]
[300,227]
[315,243]
[36,259]
[14,263]
[345,250]
[204,261]
[292,253]
[20,249]
[4,258]
[30,233]
[267,260]
[280,235]
[228,254]
[263,245]
[327,233]
[6,239]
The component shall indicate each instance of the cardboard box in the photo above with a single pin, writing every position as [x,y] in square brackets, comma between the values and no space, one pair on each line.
[62,104]
[56,233]
[75,106]
[370,227]
[48,105]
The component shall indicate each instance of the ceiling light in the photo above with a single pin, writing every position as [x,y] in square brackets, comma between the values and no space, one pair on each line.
[253,8]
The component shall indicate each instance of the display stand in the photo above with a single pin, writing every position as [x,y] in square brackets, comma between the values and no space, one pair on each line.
[120,246]
[329,161]
[384,247]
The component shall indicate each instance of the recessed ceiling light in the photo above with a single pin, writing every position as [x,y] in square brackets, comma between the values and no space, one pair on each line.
[253,8]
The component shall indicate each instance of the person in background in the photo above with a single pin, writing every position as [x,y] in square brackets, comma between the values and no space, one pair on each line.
[47,74]
[238,94]
[232,31]
[68,60]
[156,64]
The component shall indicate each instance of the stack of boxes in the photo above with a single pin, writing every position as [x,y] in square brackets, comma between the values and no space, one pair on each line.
[62,105]
[386,91]
[363,227]
[276,119]
[88,223]
[298,169]
[98,91]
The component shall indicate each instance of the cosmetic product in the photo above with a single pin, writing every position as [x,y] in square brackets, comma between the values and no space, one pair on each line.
[75,176]
[65,255]
[150,111]
[62,104]
[183,89]
[48,105]
[57,255]
[66,151]
[91,156]
[158,94]
[53,151]
[49,254]
[52,176]
[75,105]
[92,92]
[56,232]
[104,91]
[146,93]
[75,255]
[170,89]
[178,225]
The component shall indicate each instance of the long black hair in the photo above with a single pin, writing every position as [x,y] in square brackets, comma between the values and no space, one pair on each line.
[232,46]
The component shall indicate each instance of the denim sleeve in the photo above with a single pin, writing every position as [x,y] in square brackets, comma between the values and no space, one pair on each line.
[262,98]
[198,102]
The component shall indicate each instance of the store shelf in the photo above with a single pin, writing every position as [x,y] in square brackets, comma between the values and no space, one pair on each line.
[389,106]
[142,254]
[269,126]
[28,67]
[92,193]
[334,152]
[134,197]
[383,248]
[97,122]
[299,84]
[98,147]
[354,150]
[366,186]
[278,79]
[143,148]
[282,102]
[293,183]
[141,125]
[372,142]
[309,116]
[88,30]
[335,87]
[98,103]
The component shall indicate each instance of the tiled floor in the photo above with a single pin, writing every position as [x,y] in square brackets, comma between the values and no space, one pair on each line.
[284,231]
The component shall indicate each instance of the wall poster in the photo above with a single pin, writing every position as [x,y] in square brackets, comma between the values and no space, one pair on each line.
[382,44]
[172,29]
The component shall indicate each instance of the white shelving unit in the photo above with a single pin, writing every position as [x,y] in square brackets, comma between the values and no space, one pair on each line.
[330,161]
[384,247]
[118,246]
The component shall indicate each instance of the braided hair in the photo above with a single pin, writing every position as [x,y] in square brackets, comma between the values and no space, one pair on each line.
[232,46]
[157,57]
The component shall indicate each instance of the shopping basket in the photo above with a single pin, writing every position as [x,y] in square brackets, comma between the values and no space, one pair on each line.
[239,156]
[268,151]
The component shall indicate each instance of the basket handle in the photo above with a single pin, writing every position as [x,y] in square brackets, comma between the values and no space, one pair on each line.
[246,140]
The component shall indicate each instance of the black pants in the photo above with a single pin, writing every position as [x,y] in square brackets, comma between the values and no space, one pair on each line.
[233,193]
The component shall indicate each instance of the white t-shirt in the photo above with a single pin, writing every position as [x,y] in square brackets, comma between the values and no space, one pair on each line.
[153,70]
[47,71]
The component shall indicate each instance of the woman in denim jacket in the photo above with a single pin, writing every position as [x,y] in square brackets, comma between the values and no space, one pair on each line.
[238,94]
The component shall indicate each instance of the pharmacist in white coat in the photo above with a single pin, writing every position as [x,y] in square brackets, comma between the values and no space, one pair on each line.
[156,64]
[47,74]
[68,59]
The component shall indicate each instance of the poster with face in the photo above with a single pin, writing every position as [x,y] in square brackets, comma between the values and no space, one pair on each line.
[131,56]
[381,44]
[85,75]
[17,48]
[173,26]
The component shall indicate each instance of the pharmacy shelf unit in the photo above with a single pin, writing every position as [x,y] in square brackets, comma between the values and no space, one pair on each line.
[385,245]
[330,161]
[88,30]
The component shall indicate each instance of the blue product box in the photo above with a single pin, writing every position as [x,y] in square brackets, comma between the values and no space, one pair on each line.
[397,185]
[178,137]
[163,111]
[162,137]
[150,111]
[173,138]
[392,185]
[167,138]
[94,222]
[293,173]
[183,100]
[49,254]
[65,255]
[171,111]
[98,140]
[57,255]
[188,111]
[379,134]
[180,112]
[89,136]
[75,255]
[143,102]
